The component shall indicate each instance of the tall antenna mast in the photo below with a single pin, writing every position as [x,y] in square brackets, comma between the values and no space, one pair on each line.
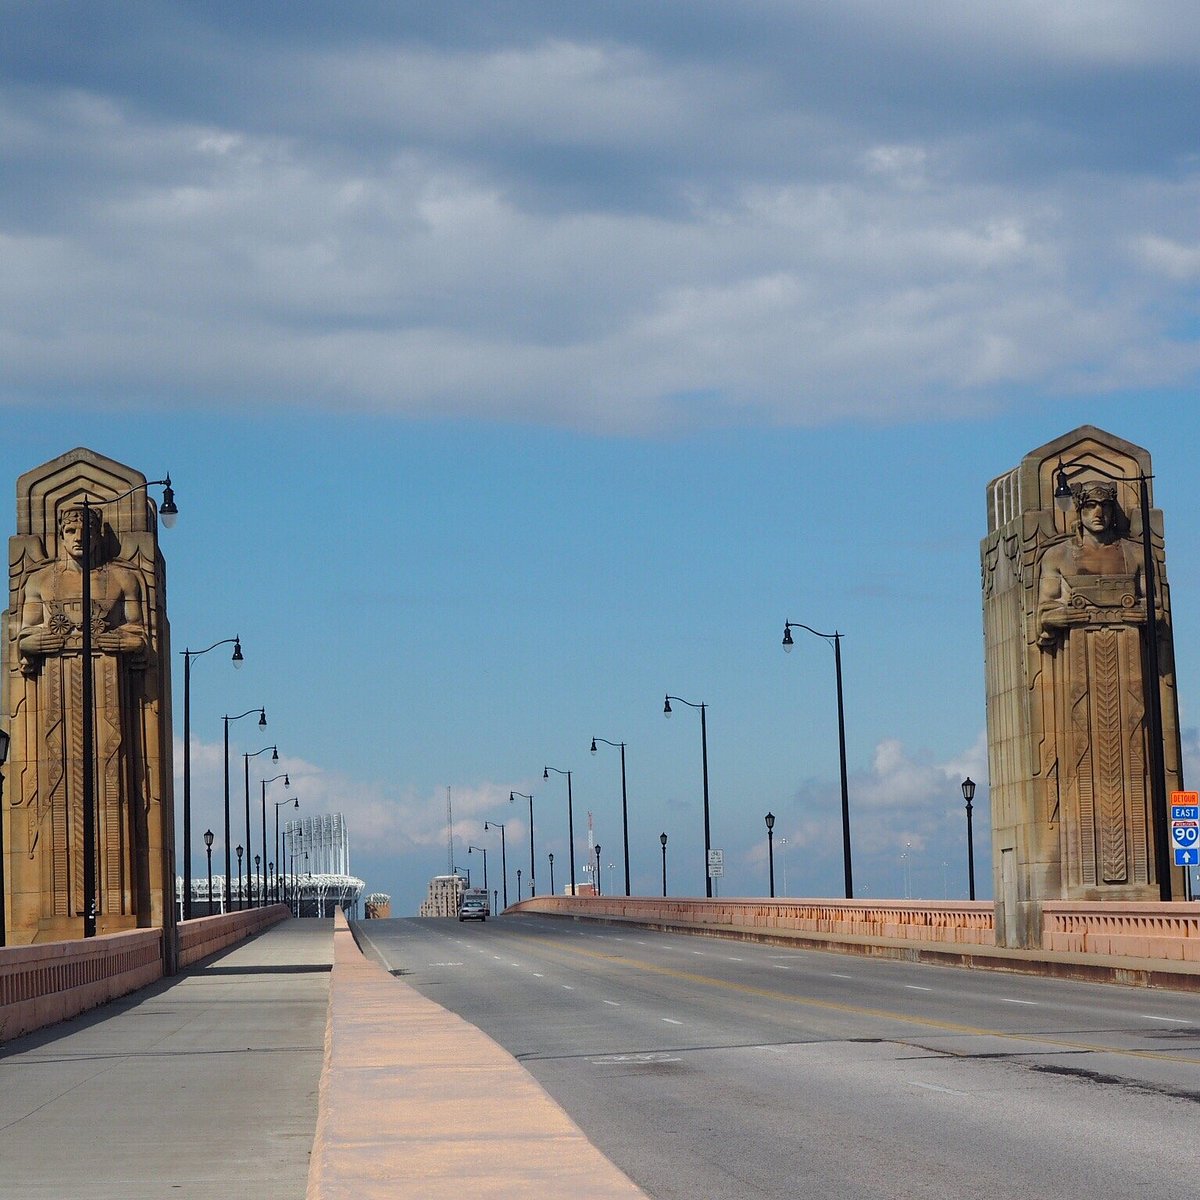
[449,831]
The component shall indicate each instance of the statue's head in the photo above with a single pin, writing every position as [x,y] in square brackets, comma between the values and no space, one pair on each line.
[71,518]
[1096,506]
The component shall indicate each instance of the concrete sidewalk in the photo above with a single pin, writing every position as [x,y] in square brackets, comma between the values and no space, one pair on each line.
[203,1085]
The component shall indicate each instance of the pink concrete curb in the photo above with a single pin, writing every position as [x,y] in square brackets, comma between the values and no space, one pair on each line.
[415,1102]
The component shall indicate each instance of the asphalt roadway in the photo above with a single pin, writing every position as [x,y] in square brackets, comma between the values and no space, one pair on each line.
[703,1067]
[200,1086]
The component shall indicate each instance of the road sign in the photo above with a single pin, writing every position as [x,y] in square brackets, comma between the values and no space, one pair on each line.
[716,863]
[1185,834]
[1187,858]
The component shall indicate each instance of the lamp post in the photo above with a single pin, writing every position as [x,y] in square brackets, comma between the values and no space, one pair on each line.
[169,513]
[512,800]
[518,886]
[208,841]
[293,800]
[624,803]
[188,655]
[662,839]
[262,723]
[240,851]
[482,851]
[287,783]
[4,741]
[597,868]
[1152,685]
[503,858]
[968,791]
[246,760]
[258,889]
[835,640]
[770,818]
[570,819]
[704,757]
[551,857]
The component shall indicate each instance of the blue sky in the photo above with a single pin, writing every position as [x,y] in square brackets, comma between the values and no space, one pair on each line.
[518,363]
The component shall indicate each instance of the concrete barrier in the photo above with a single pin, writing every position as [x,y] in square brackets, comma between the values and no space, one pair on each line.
[54,981]
[202,936]
[415,1102]
[49,982]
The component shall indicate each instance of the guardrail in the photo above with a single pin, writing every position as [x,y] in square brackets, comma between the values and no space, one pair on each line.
[48,982]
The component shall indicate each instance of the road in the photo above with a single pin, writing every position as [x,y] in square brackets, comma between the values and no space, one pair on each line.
[710,1068]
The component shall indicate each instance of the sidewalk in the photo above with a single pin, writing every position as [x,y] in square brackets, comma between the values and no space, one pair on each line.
[203,1085]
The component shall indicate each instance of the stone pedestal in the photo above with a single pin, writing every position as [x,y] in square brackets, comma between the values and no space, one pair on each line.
[42,810]
[1065,629]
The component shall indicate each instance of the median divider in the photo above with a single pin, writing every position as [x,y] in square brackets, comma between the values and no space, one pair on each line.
[416,1102]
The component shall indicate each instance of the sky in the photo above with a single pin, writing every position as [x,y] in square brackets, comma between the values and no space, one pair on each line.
[518,363]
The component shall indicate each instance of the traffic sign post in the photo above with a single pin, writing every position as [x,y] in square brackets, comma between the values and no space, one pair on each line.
[716,863]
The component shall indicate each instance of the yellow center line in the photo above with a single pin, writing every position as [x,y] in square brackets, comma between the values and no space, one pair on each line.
[747,989]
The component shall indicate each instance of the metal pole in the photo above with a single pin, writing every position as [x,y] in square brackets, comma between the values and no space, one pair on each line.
[847,867]
[249,841]
[624,819]
[187,785]
[571,831]
[532,880]
[663,841]
[707,839]
[970,853]
[89,782]
[504,866]
[228,839]
[771,859]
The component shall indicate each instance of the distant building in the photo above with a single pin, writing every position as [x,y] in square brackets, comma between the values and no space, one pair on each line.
[377,906]
[445,896]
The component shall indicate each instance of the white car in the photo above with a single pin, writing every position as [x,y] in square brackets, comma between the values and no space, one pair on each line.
[473,908]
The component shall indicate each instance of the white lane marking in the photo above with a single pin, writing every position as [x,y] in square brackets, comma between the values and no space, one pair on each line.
[781,967]
[1006,1000]
[735,959]
[841,976]
[1172,1020]
[669,1021]
[913,987]
[446,964]
[567,987]
[614,1003]
[538,975]
[933,1087]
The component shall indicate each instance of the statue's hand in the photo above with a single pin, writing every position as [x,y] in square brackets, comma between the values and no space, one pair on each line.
[42,640]
[118,641]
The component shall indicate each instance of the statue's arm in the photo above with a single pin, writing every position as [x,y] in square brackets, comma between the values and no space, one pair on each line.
[1052,599]
[35,636]
[130,636]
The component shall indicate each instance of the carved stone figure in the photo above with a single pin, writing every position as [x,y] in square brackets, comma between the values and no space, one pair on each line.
[43,701]
[1068,738]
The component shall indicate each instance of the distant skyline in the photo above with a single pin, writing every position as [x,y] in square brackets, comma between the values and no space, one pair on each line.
[519,363]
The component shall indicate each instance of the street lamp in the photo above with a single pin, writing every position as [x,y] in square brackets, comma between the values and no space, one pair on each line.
[188,655]
[287,783]
[770,818]
[570,819]
[293,800]
[835,640]
[169,514]
[258,888]
[551,857]
[597,869]
[1063,499]
[624,803]
[4,741]
[968,791]
[704,757]
[482,850]
[208,841]
[240,851]
[512,800]
[518,886]
[662,838]
[503,858]
[262,723]
[247,757]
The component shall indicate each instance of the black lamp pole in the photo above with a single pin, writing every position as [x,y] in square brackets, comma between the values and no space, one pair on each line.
[208,841]
[188,655]
[295,800]
[551,857]
[662,839]
[262,721]
[1063,499]
[482,850]
[503,857]
[240,852]
[835,639]
[246,759]
[518,886]
[597,888]
[512,799]
[624,803]
[4,741]
[258,880]
[968,791]
[169,513]
[286,783]
[570,819]
[771,850]
[704,756]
